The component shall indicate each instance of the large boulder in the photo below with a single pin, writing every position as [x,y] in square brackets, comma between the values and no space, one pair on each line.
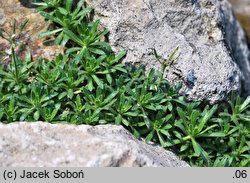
[214,56]
[58,145]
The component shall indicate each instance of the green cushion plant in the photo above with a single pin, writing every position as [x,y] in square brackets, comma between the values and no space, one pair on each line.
[88,85]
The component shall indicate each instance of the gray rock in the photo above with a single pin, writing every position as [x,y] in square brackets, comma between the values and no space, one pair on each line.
[213,47]
[43,144]
[2,18]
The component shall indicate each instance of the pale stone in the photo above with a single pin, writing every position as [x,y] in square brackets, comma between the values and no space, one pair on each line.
[58,145]
[214,56]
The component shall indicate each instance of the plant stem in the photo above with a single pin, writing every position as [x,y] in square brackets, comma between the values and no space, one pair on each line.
[163,67]
[187,138]
[13,55]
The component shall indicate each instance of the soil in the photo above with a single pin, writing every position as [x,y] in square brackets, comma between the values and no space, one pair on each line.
[242,12]
[22,10]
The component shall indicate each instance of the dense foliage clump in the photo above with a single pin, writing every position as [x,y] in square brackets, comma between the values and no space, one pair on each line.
[88,85]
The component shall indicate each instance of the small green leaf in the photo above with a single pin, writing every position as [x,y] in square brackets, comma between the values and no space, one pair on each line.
[36,115]
[82,13]
[98,81]
[62,10]
[23,116]
[161,139]
[150,136]
[118,119]
[74,37]
[69,5]
[197,147]
[70,93]
[55,111]
[52,18]
[213,134]
[109,78]
[62,95]
[110,97]
[97,51]
[165,131]
[184,147]
[119,57]
[245,105]
[125,122]
[48,33]
[207,116]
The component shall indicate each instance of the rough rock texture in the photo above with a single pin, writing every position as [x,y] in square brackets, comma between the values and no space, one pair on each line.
[21,10]
[211,41]
[44,144]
